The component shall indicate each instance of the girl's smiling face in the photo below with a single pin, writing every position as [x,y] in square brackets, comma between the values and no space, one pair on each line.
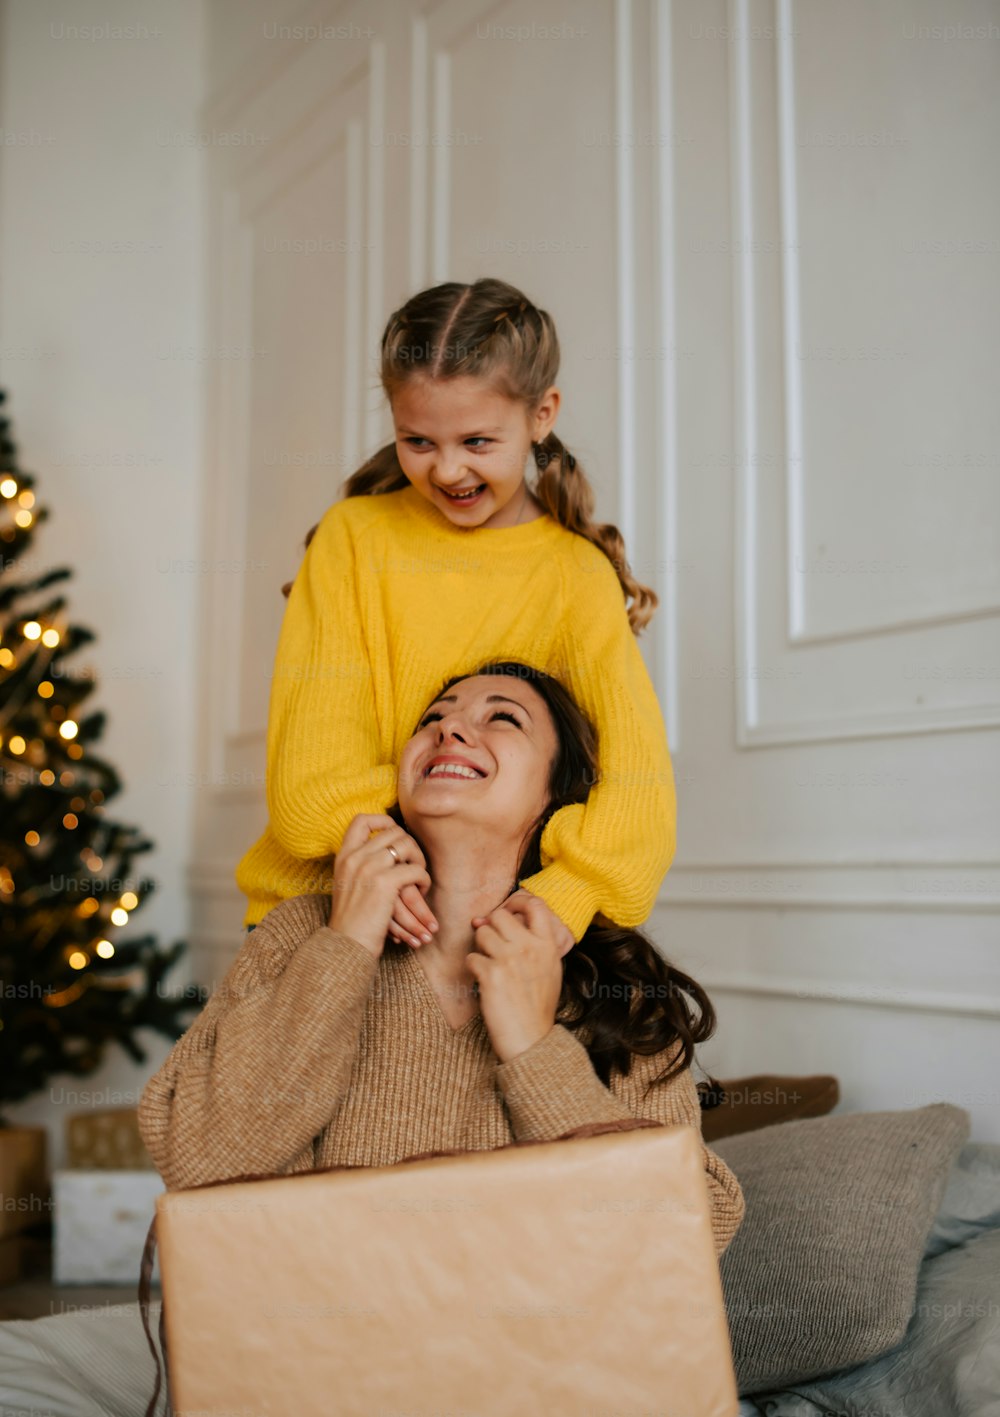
[459,436]
[484,752]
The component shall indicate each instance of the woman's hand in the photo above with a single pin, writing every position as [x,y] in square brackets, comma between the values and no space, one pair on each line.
[517,964]
[563,933]
[367,878]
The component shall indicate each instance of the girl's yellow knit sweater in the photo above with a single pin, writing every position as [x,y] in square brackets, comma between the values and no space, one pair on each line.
[392,599]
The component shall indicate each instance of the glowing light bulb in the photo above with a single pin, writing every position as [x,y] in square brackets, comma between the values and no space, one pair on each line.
[23,518]
[17,744]
[32,630]
[105,949]
[32,838]
[68,729]
[130,900]
[6,658]
[46,689]
[26,498]
[50,638]
[70,821]
[78,960]
[119,916]
[8,487]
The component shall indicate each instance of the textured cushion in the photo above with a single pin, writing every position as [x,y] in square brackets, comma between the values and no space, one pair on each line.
[822,1273]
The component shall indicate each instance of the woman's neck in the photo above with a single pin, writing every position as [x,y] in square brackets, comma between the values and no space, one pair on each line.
[467,880]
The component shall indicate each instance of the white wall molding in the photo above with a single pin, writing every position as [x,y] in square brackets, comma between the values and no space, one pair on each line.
[668,412]
[751,139]
[946,887]
[853,994]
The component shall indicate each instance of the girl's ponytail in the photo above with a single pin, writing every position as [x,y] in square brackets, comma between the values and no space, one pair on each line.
[381,473]
[564,492]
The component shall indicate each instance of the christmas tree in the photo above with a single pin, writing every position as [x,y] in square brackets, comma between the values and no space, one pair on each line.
[69,984]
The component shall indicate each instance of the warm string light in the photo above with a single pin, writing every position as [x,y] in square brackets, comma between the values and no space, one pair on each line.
[49,637]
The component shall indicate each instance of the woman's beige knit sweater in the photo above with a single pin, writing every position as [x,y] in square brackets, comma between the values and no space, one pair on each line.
[312,1052]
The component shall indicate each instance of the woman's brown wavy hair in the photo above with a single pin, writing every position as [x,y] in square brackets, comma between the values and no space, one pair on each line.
[492,331]
[619,995]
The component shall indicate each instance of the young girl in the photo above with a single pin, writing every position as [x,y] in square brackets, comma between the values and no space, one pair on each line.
[442,557]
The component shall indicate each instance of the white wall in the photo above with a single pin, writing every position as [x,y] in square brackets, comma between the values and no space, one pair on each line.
[100,353]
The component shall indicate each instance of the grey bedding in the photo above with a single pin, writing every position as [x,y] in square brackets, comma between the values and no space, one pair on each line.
[97,1363]
[948,1364]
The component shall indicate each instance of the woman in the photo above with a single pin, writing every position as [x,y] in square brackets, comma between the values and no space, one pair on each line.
[329,1043]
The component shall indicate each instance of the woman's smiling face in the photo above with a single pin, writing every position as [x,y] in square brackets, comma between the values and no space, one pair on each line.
[458,436]
[482,752]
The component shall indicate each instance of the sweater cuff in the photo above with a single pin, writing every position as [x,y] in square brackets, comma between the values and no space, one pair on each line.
[551,1088]
[570,897]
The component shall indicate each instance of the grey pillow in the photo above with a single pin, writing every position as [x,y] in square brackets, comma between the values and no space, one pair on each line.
[822,1273]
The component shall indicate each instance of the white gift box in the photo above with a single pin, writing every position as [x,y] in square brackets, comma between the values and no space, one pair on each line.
[100,1222]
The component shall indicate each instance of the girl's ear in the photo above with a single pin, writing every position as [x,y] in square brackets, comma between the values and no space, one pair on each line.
[546,414]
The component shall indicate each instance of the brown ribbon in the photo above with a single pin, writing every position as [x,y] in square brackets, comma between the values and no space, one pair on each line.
[588,1129]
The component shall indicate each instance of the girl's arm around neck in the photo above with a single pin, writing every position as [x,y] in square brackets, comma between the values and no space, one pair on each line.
[609,854]
[325,758]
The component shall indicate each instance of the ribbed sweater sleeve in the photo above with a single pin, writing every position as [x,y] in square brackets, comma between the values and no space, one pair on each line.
[551,1088]
[259,1073]
[324,759]
[610,853]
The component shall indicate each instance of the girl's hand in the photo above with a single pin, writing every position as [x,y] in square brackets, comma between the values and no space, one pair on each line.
[517,964]
[413,920]
[367,879]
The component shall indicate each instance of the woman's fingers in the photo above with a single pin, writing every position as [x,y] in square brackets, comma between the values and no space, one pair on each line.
[362,826]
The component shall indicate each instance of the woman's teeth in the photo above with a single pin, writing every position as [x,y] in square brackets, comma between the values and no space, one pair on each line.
[452,770]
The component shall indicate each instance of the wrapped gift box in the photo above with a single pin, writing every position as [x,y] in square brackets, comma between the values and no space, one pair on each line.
[100,1223]
[108,1140]
[569,1277]
[25,1194]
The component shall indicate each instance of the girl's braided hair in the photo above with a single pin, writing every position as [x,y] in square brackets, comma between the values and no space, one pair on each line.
[490,330]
